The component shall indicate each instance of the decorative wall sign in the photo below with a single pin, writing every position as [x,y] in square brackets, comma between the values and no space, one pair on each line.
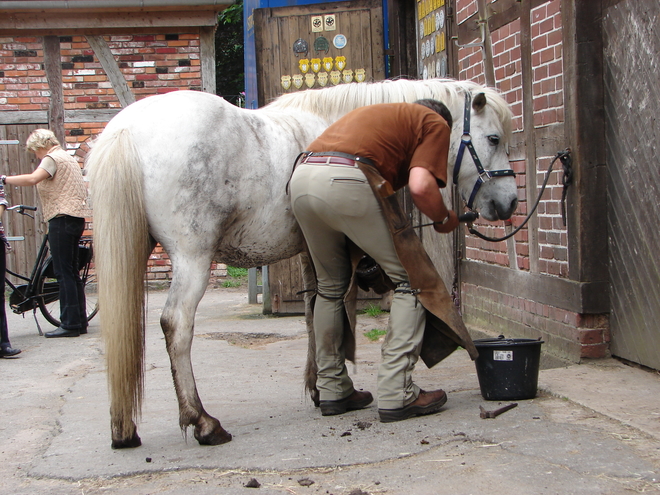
[431,23]
[303,63]
[286,82]
[439,20]
[298,80]
[340,62]
[360,75]
[310,79]
[335,77]
[321,44]
[317,24]
[328,62]
[330,22]
[300,46]
[339,41]
[315,63]
[347,76]
[323,78]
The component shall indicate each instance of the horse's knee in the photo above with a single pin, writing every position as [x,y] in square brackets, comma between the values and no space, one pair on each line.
[129,441]
[209,432]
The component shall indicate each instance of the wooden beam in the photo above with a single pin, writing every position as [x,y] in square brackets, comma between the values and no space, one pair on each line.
[207,58]
[89,115]
[40,117]
[53,66]
[585,123]
[489,69]
[36,21]
[24,117]
[111,68]
[569,295]
[529,131]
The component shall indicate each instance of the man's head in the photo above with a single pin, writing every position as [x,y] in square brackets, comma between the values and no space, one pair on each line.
[439,108]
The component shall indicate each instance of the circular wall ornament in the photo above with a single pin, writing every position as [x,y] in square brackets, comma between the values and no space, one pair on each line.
[300,46]
[339,41]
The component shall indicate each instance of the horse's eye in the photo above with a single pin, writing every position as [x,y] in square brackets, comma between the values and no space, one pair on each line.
[494,140]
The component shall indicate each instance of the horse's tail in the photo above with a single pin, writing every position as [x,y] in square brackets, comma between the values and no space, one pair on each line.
[122,247]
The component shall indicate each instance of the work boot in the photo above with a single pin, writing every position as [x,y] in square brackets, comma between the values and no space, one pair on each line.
[426,403]
[357,400]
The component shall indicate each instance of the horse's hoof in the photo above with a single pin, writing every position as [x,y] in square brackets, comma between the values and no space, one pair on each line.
[208,431]
[217,437]
[316,397]
[129,443]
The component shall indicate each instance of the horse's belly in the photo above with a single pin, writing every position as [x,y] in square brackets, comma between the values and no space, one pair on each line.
[259,241]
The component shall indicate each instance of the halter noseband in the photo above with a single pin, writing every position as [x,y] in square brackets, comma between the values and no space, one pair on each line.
[466,142]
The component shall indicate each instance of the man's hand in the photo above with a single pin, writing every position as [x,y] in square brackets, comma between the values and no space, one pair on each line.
[449,224]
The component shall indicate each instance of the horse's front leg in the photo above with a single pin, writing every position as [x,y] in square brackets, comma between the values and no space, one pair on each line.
[189,281]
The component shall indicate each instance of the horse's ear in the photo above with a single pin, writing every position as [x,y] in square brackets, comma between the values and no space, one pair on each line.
[479,102]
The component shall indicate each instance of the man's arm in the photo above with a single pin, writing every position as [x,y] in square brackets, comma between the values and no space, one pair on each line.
[427,197]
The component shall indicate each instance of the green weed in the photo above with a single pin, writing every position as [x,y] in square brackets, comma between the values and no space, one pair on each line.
[374,334]
[373,310]
[234,272]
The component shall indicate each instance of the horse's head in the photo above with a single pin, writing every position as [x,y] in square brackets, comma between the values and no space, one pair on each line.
[479,156]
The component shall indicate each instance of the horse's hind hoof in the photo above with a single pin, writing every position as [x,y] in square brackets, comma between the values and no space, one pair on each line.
[315,395]
[129,443]
[208,431]
[217,437]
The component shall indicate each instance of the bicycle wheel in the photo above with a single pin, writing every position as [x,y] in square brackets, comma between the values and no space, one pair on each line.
[49,296]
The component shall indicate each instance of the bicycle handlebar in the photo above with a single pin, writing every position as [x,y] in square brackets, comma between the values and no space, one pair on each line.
[21,209]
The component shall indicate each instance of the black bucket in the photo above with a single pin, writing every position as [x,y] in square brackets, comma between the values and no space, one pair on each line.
[508,369]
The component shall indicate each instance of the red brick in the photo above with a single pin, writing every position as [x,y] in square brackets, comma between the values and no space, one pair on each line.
[596,351]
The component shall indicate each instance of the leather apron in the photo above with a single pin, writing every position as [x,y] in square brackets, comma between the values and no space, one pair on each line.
[445,330]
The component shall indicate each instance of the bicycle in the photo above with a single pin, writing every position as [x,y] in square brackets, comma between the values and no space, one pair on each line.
[42,289]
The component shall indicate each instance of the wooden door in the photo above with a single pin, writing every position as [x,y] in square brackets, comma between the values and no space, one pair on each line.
[316,46]
[311,47]
[15,160]
[632,104]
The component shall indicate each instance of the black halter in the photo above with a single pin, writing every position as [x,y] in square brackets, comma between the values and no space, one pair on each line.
[466,142]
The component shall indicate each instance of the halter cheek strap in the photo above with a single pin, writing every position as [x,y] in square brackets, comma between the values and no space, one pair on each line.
[466,142]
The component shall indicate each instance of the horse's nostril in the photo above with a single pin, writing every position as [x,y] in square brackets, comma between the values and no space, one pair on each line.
[505,211]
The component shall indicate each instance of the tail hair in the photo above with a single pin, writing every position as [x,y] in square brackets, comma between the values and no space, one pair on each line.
[122,248]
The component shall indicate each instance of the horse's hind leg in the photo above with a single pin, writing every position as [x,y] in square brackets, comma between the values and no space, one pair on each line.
[309,287]
[190,278]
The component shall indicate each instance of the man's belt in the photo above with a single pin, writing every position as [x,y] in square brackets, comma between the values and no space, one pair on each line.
[335,157]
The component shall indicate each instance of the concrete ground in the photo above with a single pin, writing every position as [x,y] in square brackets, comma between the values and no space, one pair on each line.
[592,429]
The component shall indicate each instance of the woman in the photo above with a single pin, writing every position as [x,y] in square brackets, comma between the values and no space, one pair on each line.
[6,350]
[63,196]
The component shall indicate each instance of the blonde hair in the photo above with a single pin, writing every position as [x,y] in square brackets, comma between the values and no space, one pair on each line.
[41,138]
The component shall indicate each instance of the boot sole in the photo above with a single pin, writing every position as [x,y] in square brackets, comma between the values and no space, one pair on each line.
[332,408]
[392,415]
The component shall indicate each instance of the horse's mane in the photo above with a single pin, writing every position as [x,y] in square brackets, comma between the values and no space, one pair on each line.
[333,102]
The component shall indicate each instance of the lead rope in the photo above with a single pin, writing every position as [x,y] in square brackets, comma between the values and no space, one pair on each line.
[567,179]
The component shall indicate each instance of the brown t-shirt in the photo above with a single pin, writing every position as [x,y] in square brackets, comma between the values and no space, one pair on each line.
[395,136]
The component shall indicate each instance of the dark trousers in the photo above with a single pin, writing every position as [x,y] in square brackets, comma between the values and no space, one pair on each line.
[4,331]
[64,235]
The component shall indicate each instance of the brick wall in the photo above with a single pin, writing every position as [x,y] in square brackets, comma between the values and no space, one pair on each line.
[151,64]
[567,335]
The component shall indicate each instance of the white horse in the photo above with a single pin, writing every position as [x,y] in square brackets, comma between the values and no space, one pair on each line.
[207,181]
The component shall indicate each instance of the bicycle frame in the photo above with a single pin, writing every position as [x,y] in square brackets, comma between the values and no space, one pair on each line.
[24,297]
